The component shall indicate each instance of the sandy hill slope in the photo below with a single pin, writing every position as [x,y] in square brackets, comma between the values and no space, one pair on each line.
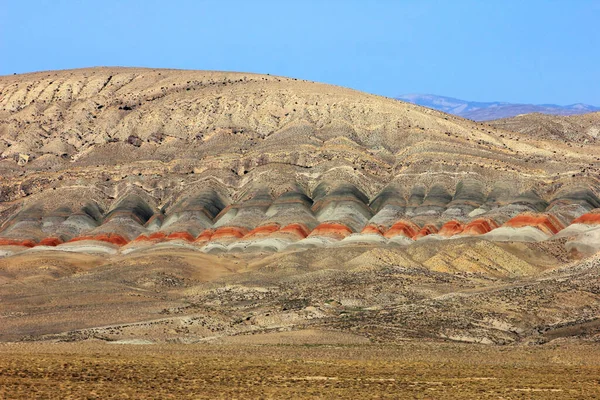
[583,128]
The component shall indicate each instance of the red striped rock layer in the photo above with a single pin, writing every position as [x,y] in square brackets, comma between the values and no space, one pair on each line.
[545,223]
[337,212]
[588,219]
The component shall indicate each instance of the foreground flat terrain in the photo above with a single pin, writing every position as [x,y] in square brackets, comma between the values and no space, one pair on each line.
[412,370]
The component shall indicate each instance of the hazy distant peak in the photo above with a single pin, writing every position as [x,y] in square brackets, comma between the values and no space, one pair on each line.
[484,111]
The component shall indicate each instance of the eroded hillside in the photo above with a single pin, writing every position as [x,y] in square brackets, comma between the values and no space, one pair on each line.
[188,205]
[211,155]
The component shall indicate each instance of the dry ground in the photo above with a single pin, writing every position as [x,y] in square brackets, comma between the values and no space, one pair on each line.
[412,370]
[381,295]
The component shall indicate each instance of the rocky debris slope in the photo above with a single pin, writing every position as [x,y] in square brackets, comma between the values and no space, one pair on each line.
[469,291]
[578,129]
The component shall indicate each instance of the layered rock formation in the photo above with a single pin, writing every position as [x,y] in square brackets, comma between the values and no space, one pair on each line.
[120,160]
[189,206]
[332,214]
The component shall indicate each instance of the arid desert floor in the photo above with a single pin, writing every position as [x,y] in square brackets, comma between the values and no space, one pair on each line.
[310,365]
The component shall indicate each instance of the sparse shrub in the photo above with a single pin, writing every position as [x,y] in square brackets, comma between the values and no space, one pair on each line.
[134,140]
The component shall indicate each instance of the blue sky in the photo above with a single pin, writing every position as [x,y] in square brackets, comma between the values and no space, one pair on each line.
[518,51]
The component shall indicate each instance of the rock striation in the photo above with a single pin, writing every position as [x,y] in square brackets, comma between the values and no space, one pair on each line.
[117,160]
[333,214]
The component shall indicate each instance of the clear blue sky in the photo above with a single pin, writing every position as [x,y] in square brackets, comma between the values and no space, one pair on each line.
[518,51]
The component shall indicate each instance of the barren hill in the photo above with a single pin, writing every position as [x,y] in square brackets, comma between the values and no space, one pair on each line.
[214,194]
[119,155]
[583,128]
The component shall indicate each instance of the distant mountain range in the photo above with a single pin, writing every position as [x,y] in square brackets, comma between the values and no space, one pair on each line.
[485,111]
